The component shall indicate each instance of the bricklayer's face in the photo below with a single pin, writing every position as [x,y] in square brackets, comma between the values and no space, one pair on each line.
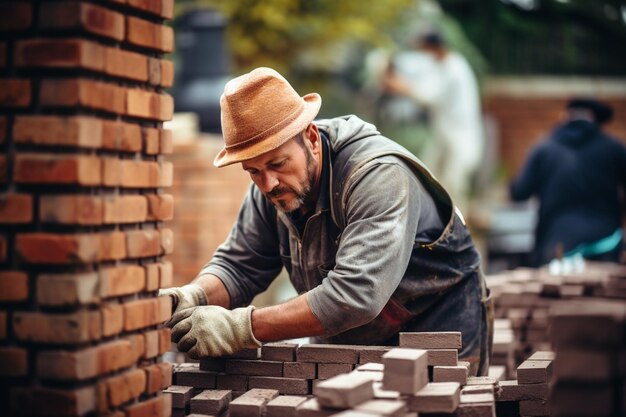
[288,174]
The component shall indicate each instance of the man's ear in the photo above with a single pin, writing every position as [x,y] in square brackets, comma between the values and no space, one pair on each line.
[313,137]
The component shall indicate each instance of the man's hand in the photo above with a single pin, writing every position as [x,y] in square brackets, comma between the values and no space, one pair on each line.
[213,331]
[190,295]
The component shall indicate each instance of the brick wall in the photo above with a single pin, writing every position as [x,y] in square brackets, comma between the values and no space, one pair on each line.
[82,206]
[526,109]
[207,200]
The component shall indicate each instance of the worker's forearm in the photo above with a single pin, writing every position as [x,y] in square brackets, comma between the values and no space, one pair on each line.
[286,321]
[215,290]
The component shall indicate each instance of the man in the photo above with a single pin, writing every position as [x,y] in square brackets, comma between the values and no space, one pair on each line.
[448,89]
[370,240]
[577,173]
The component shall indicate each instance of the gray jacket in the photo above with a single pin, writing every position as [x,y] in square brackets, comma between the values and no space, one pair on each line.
[382,252]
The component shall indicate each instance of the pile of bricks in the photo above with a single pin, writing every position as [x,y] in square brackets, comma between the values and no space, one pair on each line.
[524,297]
[82,207]
[528,394]
[590,359]
[422,375]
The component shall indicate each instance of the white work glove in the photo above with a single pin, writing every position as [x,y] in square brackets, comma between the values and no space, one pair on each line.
[190,295]
[213,331]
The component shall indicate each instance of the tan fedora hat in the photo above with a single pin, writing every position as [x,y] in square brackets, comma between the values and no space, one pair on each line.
[260,112]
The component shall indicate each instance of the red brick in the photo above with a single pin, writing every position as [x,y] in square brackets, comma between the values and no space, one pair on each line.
[167,241]
[112,246]
[164,312]
[3,248]
[165,340]
[75,92]
[150,141]
[112,319]
[111,175]
[59,53]
[143,243]
[166,146]
[167,73]
[14,92]
[139,174]
[86,363]
[140,314]
[3,169]
[3,119]
[13,286]
[152,344]
[154,71]
[15,16]
[121,280]
[166,274]
[167,9]
[83,326]
[70,209]
[13,361]
[121,136]
[150,6]
[3,54]
[160,406]
[154,378]
[166,174]
[149,105]
[16,208]
[3,325]
[65,402]
[126,64]
[33,168]
[125,209]
[87,17]
[53,248]
[160,207]
[138,345]
[122,388]
[75,131]
[150,35]
[67,289]
[152,276]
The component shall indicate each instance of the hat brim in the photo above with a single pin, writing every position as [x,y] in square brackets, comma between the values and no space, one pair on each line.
[312,104]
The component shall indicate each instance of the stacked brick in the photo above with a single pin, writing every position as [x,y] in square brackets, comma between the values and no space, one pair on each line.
[527,395]
[589,377]
[524,297]
[320,380]
[82,207]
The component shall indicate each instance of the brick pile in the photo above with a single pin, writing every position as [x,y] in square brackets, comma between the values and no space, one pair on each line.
[422,375]
[590,357]
[82,207]
[523,299]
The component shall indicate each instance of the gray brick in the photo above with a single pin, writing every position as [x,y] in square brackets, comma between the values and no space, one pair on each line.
[312,408]
[375,354]
[430,340]
[384,408]
[513,391]
[211,401]
[443,357]
[344,391]
[194,377]
[288,386]
[284,406]
[436,397]
[181,395]
[281,352]
[450,374]
[306,370]
[328,353]
[254,367]
[232,382]
[534,372]
[406,370]
[329,370]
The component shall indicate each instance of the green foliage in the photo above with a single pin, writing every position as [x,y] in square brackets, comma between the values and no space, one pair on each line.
[280,33]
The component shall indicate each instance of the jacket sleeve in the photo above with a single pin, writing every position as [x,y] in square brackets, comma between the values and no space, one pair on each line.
[529,180]
[248,261]
[382,211]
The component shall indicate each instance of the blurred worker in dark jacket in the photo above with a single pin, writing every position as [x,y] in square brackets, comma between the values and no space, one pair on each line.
[579,176]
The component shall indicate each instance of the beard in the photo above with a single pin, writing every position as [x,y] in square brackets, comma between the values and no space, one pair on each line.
[303,195]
